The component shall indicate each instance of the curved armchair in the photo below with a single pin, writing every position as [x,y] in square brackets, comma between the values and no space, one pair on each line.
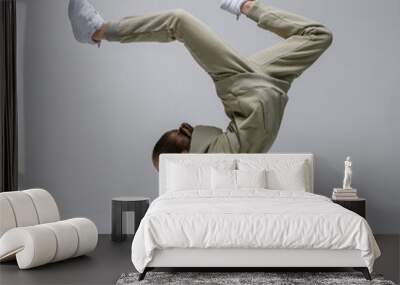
[31,231]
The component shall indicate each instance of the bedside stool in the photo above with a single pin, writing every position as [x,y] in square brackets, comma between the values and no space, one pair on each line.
[139,205]
[358,206]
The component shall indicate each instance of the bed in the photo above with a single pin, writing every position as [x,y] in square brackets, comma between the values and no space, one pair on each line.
[247,211]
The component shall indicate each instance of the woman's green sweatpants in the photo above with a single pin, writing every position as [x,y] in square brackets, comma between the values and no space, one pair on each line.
[252,89]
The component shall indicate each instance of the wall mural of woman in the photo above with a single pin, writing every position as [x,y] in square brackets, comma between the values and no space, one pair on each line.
[253,90]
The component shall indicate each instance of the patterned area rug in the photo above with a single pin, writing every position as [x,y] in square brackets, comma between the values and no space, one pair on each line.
[253,278]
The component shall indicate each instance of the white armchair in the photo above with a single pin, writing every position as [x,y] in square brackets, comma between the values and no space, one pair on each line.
[32,233]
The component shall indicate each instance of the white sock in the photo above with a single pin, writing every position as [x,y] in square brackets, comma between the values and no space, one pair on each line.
[85,20]
[232,6]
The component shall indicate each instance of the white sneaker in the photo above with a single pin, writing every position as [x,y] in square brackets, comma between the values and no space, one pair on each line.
[232,6]
[85,20]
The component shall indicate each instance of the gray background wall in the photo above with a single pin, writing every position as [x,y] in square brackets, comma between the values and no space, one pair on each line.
[89,117]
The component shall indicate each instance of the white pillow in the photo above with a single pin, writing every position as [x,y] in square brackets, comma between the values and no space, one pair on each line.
[186,175]
[223,179]
[282,174]
[251,178]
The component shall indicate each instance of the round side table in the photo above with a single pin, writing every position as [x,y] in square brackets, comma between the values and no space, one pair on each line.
[139,205]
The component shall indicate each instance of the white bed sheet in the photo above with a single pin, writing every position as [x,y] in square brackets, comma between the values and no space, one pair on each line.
[251,218]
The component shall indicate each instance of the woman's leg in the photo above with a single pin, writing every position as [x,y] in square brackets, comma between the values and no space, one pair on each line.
[305,41]
[213,55]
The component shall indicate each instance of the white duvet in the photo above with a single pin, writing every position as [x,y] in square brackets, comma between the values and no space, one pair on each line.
[250,219]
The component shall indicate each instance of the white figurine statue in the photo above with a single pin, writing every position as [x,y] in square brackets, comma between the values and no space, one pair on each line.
[347,173]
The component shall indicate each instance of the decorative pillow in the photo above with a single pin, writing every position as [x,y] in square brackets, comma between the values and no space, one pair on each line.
[281,174]
[251,179]
[222,179]
[186,175]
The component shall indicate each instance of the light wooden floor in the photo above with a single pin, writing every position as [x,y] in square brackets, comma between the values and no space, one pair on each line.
[110,260]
